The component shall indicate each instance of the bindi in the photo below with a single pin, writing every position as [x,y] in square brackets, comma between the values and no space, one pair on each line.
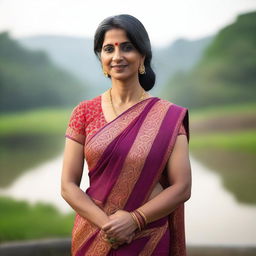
[116,43]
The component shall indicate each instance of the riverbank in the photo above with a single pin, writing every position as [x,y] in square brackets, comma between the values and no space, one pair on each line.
[31,138]
[224,139]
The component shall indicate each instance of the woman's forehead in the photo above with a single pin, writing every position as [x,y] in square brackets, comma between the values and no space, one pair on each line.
[115,36]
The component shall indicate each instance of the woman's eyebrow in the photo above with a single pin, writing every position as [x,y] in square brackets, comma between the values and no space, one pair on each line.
[126,42]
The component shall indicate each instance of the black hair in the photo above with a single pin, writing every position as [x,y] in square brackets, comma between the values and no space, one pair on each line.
[137,34]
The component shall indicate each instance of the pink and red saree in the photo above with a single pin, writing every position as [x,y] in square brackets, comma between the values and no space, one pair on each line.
[126,158]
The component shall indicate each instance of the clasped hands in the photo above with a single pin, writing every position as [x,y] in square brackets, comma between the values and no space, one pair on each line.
[119,229]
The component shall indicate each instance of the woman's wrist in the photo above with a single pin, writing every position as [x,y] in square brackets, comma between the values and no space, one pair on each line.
[139,219]
[103,220]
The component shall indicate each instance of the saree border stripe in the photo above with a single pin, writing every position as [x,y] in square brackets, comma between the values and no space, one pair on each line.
[155,235]
[155,161]
[82,232]
[95,145]
[137,105]
[135,160]
[82,250]
[176,218]
[106,172]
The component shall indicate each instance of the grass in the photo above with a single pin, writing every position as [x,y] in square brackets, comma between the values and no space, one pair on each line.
[38,121]
[222,111]
[239,141]
[20,221]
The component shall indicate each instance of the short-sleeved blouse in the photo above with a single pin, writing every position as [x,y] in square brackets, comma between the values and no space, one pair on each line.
[87,118]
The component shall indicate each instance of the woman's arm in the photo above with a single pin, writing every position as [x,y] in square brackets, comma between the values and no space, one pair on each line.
[179,175]
[70,181]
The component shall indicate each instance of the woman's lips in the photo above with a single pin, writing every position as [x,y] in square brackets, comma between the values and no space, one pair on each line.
[119,66]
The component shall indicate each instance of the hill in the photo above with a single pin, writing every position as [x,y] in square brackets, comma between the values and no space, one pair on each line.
[28,79]
[226,72]
[76,55]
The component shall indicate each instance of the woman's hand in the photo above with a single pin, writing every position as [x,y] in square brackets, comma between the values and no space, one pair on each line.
[117,243]
[121,226]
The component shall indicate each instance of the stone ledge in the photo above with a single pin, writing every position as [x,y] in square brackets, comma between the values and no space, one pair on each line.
[61,247]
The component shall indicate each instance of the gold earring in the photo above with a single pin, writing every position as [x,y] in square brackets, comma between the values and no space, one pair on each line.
[142,69]
[105,73]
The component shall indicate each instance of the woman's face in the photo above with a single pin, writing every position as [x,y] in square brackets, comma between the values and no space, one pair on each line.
[119,58]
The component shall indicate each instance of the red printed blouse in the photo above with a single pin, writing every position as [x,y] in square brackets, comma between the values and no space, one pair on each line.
[87,118]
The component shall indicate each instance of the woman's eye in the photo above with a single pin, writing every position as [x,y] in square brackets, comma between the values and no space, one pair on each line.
[108,49]
[128,47]
[125,48]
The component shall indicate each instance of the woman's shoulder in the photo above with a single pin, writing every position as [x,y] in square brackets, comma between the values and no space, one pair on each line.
[89,108]
[171,103]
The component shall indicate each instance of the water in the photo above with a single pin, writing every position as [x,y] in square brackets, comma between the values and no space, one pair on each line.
[40,184]
[213,216]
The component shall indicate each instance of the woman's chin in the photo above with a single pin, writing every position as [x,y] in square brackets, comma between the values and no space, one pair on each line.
[120,76]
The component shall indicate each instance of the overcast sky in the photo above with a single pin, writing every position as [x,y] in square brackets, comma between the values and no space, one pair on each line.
[164,20]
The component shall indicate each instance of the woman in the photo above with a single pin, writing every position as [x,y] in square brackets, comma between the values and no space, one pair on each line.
[139,167]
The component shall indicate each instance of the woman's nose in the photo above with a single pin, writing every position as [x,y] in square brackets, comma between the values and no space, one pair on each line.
[117,54]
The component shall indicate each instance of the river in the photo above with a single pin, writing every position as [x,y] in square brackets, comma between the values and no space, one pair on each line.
[212,215]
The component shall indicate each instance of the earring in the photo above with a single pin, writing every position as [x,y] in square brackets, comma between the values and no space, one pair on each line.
[142,69]
[105,73]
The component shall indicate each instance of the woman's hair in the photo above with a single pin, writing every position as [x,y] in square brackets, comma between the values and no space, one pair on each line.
[137,34]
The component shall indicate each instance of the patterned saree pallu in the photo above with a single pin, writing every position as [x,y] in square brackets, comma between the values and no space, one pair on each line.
[126,158]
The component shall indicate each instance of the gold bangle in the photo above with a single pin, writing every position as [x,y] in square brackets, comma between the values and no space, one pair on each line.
[136,220]
[140,218]
[143,215]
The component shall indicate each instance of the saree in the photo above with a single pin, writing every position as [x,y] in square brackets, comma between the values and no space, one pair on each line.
[126,158]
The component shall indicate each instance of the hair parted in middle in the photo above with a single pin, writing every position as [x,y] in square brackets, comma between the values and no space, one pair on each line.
[137,34]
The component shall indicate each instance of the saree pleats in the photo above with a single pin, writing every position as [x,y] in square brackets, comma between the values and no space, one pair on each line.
[126,158]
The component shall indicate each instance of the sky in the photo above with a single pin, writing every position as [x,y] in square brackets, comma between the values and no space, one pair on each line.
[164,20]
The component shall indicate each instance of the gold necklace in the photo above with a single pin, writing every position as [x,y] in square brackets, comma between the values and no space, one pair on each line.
[141,98]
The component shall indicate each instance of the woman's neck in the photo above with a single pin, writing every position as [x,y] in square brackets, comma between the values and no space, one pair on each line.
[126,92]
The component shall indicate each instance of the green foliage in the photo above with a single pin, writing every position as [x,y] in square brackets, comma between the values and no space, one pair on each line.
[225,74]
[29,79]
[225,111]
[242,141]
[44,121]
[19,221]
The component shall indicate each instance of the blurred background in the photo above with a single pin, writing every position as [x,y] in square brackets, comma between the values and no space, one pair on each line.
[204,56]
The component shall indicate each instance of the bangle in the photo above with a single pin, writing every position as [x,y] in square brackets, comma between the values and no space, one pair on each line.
[141,219]
[136,220]
[143,215]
